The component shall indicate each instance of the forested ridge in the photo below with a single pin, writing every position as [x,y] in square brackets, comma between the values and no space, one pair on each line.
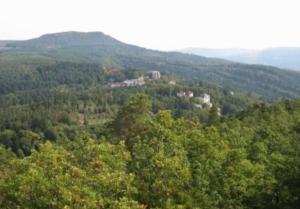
[22,58]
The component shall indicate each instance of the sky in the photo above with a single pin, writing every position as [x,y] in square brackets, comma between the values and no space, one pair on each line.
[160,24]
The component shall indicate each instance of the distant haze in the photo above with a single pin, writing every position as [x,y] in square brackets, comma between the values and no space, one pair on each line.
[166,25]
[283,57]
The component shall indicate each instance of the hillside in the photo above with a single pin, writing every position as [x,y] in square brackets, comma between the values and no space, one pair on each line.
[283,57]
[98,48]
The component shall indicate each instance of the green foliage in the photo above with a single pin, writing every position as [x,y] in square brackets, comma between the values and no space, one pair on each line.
[56,178]
[68,140]
[130,120]
[5,157]
[158,161]
[213,115]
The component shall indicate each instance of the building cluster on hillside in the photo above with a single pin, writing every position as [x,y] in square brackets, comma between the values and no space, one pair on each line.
[185,94]
[135,82]
[153,75]
[129,82]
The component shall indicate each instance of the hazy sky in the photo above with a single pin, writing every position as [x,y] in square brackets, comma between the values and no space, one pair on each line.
[160,24]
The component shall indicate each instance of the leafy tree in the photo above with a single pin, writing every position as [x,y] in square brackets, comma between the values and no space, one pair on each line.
[56,178]
[131,119]
[213,115]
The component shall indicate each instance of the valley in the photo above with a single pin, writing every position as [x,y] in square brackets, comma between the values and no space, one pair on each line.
[87,121]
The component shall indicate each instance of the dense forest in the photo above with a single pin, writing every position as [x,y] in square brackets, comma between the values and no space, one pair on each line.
[85,125]
[85,100]
[143,159]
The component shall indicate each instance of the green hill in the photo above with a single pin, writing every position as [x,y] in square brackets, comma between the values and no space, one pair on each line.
[66,39]
[98,48]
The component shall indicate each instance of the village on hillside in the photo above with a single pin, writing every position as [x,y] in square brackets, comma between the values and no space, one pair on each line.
[201,101]
[152,75]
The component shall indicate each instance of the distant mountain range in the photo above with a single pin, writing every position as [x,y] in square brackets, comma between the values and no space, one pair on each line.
[283,57]
[20,60]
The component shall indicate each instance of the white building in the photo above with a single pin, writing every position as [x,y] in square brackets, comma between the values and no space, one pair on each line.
[219,112]
[190,94]
[181,94]
[206,98]
[155,74]
[172,82]
[185,94]
[135,82]
[199,106]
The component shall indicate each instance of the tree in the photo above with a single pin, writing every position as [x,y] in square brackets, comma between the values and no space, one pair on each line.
[94,176]
[213,115]
[131,119]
